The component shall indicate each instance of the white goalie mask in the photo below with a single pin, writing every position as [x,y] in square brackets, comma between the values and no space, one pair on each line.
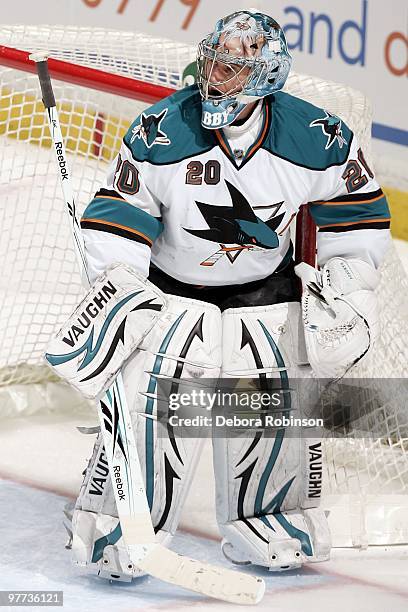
[246,58]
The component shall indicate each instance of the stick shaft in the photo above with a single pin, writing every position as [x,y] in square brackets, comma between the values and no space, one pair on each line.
[116,424]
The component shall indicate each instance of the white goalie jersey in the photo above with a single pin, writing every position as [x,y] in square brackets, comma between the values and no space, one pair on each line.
[177,196]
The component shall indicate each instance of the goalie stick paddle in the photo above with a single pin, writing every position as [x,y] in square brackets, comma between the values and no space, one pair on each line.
[120,446]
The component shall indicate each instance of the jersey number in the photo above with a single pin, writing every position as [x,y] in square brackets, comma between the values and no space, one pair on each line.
[128,179]
[212,171]
[353,174]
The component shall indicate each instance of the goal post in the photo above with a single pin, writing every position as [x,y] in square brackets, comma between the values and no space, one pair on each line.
[102,81]
[85,76]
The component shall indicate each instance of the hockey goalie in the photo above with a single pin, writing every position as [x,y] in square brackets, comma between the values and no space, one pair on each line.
[190,233]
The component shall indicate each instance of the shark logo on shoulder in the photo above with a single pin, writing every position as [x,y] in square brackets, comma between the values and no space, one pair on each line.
[149,130]
[331,127]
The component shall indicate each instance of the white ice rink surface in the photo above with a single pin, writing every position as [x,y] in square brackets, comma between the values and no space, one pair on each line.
[33,557]
[41,459]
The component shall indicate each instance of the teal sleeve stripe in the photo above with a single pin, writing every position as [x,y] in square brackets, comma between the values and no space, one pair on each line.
[119,212]
[329,214]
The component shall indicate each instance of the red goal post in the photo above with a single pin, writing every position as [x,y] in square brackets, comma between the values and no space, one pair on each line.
[76,74]
[102,80]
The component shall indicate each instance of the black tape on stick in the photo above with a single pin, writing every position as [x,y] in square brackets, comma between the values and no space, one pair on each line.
[45,83]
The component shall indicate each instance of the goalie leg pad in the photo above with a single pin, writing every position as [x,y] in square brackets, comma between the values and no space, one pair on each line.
[184,344]
[267,509]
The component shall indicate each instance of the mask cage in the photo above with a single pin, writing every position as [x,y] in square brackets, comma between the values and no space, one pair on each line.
[208,58]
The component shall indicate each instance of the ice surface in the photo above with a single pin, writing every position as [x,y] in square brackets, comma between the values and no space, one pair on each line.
[33,557]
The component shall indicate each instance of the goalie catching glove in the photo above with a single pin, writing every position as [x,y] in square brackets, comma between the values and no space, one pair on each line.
[339,314]
[105,329]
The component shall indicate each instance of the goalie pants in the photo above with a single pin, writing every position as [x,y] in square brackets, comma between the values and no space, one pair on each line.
[263,508]
[281,286]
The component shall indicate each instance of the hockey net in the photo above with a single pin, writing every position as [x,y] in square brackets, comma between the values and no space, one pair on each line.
[366,486]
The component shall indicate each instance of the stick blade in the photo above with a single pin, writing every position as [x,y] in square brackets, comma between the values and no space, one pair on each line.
[218,582]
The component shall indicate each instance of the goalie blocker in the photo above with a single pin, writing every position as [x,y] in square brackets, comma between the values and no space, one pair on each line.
[105,329]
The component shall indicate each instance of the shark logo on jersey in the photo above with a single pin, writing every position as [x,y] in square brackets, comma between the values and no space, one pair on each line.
[331,127]
[237,226]
[149,130]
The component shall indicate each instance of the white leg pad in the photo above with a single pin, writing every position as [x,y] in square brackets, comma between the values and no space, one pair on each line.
[266,505]
[184,344]
[273,543]
[98,545]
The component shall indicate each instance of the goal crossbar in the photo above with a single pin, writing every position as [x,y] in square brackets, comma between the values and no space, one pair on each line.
[85,76]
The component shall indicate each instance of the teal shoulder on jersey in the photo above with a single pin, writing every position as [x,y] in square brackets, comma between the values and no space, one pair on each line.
[181,125]
[175,132]
[305,134]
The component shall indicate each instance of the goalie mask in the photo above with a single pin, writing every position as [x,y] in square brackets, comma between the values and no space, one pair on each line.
[246,58]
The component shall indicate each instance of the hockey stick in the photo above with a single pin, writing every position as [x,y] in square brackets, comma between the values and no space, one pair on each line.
[120,446]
